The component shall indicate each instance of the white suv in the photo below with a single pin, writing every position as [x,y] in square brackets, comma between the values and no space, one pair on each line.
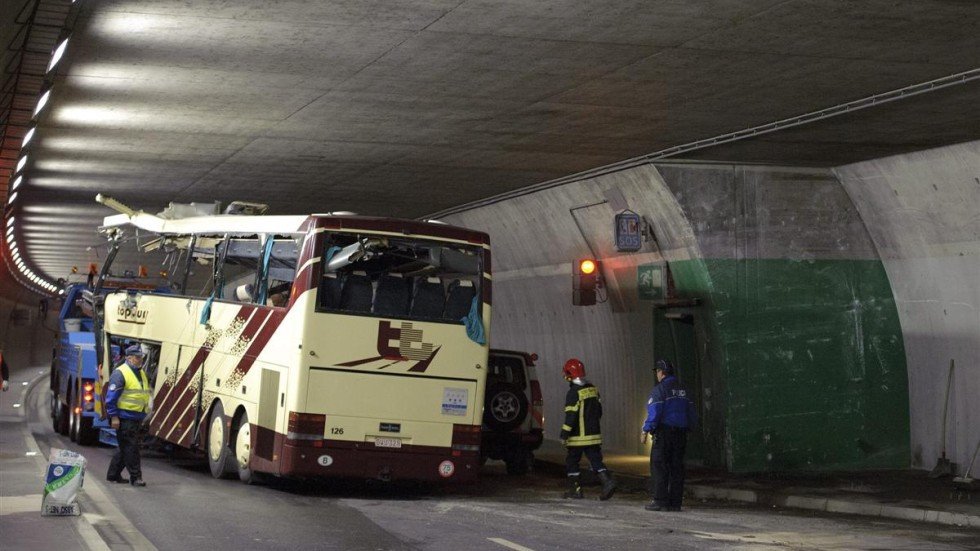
[513,420]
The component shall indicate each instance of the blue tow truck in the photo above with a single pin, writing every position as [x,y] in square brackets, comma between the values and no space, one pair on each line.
[76,401]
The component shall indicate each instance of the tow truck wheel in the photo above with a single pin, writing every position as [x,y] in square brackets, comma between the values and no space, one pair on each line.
[88,435]
[243,451]
[73,421]
[61,420]
[54,411]
[220,458]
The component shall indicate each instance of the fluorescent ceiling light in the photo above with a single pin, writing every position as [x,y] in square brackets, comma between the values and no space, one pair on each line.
[20,164]
[10,221]
[58,52]
[42,102]
[16,183]
[10,230]
[27,137]
[13,197]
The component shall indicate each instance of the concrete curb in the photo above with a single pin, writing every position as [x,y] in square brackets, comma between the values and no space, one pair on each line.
[833,505]
[634,483]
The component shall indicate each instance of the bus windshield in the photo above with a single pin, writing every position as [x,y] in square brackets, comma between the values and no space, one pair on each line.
[383,276]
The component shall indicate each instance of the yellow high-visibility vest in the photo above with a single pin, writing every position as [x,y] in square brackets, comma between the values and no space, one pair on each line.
[136,394]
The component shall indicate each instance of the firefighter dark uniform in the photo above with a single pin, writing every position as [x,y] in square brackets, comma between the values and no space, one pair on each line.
[670,414]
[581,432]
[127,402]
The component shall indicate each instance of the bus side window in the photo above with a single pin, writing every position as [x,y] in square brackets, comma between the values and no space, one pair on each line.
[393,295]
[430,298]
[461,293]
[330,291]
[358,293]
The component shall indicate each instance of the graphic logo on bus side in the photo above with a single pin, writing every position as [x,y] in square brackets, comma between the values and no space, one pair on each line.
[409,347]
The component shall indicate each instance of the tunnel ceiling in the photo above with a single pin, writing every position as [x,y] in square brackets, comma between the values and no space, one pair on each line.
[405,108]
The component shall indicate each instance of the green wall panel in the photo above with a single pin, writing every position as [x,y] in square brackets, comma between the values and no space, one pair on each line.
[804,361]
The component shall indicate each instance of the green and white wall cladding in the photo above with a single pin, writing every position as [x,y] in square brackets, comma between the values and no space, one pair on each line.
[799,354]
[923,212]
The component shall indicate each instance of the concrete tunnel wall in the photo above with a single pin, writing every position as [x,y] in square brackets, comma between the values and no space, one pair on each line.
[799,360]
[25,341]
[923,212]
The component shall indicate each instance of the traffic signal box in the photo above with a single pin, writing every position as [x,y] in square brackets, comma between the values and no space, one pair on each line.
[585,278]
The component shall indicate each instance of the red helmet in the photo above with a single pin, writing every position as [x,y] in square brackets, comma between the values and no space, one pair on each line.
[574,368]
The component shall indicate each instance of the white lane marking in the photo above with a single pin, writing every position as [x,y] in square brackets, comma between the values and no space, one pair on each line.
[20,504]
[510,544]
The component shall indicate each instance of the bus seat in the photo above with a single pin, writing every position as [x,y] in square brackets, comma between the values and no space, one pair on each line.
[357,293]
[461,293]
[430,298]
[393,296]
[330,291]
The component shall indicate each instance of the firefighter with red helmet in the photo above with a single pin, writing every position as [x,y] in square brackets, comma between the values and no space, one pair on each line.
[581,433]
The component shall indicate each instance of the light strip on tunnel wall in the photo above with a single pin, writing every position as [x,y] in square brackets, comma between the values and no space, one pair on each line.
[27,137]
[13,197]
[16,182]
[56,56]
[43,101]
[20,164]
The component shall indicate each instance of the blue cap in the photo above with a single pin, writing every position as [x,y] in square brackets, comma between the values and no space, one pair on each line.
[135,350]
[665,366]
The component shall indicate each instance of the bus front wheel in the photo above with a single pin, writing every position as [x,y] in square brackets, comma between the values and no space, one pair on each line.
[220,458]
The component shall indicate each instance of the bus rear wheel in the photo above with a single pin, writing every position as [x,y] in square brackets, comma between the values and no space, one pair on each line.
[243,451]
[220,458]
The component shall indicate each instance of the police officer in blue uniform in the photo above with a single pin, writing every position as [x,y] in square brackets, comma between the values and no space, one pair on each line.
[127,403]
[670,414]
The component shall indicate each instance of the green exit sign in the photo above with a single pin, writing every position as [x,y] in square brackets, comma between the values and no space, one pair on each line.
[650,282]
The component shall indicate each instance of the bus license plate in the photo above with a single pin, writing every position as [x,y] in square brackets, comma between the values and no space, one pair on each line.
[387,443]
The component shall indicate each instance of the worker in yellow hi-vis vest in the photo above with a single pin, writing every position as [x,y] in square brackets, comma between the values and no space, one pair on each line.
[127,403]
[581,432]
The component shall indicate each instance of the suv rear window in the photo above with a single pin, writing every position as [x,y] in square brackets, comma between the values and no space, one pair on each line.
[507,369]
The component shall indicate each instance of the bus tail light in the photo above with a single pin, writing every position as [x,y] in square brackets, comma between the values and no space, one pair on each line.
[306,427]
[466,440]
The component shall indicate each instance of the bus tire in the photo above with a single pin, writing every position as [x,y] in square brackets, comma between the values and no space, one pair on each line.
[220,458]
[243,451]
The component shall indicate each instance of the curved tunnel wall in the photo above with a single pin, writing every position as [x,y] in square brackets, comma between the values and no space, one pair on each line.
[799,354]
[923,212]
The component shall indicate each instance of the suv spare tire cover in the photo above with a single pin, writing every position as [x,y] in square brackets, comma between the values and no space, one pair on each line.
[505,408]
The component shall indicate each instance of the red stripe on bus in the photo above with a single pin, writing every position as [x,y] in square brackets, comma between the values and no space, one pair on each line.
[185,398]
[273,317]
[177,393]
[259,342]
